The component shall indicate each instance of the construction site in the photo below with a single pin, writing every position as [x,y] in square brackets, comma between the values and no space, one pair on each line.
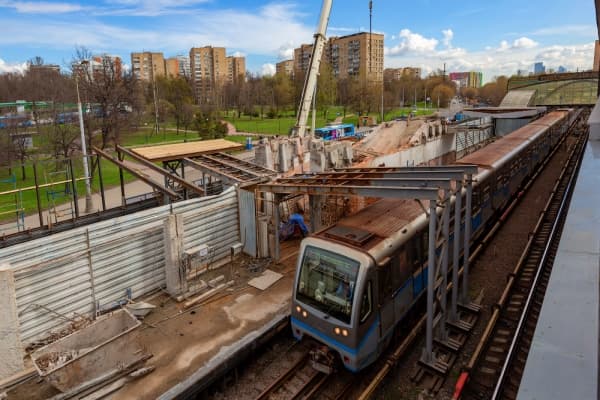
[410,261]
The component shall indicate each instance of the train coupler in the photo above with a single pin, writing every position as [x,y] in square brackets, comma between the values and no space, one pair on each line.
[323,359]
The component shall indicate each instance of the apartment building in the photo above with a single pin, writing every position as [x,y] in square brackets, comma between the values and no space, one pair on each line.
[285,68]
[358,56]
[467,79]
[236,69]
[102,65]
[210,68]
[302,57]
[148,65]
[184,66]
[395,74]
[172,67]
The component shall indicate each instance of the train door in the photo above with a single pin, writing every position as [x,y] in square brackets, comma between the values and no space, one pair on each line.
[386,302]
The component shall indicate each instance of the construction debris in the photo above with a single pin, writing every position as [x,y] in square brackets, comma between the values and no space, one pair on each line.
[207,295]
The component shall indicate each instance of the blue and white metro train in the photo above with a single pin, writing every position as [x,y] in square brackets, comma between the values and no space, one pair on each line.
[356,280]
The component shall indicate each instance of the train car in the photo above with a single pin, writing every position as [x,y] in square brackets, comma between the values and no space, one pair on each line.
[357,279]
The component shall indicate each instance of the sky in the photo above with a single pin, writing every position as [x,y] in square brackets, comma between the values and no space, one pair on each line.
[495,37]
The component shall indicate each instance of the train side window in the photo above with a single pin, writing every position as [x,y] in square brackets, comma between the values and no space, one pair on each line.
[366,305]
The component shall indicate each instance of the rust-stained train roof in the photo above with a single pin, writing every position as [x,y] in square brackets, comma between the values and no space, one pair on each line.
[550,118]
[374,223]
[493,152]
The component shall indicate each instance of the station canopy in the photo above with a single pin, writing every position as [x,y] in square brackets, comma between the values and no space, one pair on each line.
[178,151]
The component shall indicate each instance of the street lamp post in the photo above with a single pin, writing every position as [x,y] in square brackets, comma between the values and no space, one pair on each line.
[89,205]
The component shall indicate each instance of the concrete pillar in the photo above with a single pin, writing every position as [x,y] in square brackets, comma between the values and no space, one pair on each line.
[11,348]
[174,268]
[263,155]
[285,156]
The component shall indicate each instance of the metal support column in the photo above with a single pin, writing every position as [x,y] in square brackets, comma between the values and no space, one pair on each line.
[456,250]
[443,333]
[37,194]
[428,356]
[101,182]
[315,203]
[276,217]
[465,288]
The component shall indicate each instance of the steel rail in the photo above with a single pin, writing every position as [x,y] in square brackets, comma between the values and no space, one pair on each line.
[540,267]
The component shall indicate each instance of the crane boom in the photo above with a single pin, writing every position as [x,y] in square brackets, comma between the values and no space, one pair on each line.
[313,71]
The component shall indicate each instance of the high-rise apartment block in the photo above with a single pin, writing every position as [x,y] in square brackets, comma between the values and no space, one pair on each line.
[146,66]
[302,57]
[172,67]
[210,69]
[395,74]
[184,66]
[236,69]
[359,56]
[467,79]
[103,65]
[285,68]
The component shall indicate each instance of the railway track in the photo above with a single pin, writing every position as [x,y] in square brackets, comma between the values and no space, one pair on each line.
[496,367]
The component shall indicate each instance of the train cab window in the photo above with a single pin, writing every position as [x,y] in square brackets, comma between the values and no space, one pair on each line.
[366,305]
[327,281]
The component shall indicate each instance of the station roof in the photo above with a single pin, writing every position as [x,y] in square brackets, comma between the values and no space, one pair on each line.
[178,151]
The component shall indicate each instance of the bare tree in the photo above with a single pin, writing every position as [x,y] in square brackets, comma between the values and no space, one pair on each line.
[111,93]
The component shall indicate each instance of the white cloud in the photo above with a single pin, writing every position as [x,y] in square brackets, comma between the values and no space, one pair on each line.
[413,43]
[504,59]
[524,43]
[448,36]
[286,51]
[581,30]
[41,7]
[12,68]
[268,70]
[238,54]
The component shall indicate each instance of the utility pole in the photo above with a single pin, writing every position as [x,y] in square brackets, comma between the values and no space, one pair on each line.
[89,205]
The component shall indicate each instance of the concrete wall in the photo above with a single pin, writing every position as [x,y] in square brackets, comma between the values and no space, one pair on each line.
[434,149]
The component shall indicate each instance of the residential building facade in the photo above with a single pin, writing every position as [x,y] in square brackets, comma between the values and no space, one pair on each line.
[210,69]
[172,67]
[285,68]
[470,79]
[236,69]
[354,56]
[395,74]
[146,66]
[184,66]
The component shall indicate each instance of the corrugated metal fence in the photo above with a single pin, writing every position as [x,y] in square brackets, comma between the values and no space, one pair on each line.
[248,222]
[71,272]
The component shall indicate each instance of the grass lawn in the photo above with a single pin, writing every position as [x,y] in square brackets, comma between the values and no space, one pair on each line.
[59,193]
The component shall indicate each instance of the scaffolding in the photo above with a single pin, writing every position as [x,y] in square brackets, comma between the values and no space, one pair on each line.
[14,206]
[60,193]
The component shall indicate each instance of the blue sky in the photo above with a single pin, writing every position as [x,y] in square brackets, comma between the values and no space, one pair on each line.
[496,37]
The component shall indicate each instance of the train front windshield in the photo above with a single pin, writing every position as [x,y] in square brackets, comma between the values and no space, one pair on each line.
[327,282]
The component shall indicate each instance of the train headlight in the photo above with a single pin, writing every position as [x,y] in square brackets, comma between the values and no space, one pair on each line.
[298,309]
[304,314]
[337,330]
[345,332]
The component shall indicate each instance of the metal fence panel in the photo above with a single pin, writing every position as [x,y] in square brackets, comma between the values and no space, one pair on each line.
[70,272]
[248,221]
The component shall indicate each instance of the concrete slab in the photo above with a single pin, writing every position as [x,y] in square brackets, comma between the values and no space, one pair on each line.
[264,281]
